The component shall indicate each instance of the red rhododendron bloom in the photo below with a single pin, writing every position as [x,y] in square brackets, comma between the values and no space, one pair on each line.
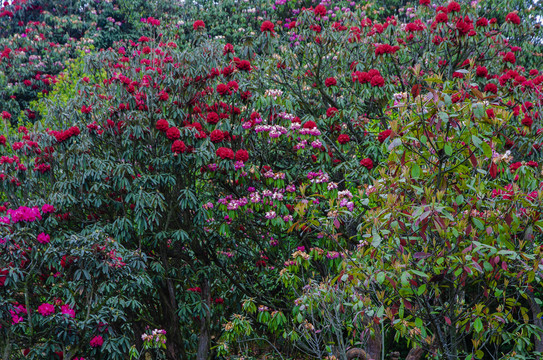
[492,88]
[367,163]
[509,57]
[481,71]
[225,153]
[3,140]
[515,166]
[482,22]
[320,10]
[223,89]
[527,121]
[384,135]
[490,113]
[228,49]
[532,164]
[513,18]
[162,125]
[377,81]
[198,24]
[330,82]
[97,341]
[424,2]
[343,139]
[178,147]
[453,7]
[163,95]
[86,109]
[244,65]
[216,136]
[6,115]
[442,17]
[309,125]
[267,26]
[242,155]
[331,112]
[212,118]
[173,133]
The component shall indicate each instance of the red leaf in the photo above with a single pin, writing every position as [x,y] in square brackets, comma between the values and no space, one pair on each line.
[493,170]
[504,265]
[415,90]
[447,320]
[472,158]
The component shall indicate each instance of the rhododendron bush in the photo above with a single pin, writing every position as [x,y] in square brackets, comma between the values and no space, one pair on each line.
[338,185]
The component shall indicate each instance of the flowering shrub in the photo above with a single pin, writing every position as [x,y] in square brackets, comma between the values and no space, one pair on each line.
[390,166]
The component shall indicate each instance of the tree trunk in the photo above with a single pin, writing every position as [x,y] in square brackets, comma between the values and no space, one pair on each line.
[536,310]
[175,347]
[203,341]
[415,354]
[375,343]
[7,349]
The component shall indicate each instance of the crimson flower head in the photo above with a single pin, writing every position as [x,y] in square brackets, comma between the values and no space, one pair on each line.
[228,49]
[492,88]
[223,89]
[331,112]
[173,133]
[178,147]
[244,65]
[225,153]
[481,71]
[509,57]
[242,155]
[482,22]
[453,7]
[86,109]
[309,125]
[198,24]
[267,26]
[513,18]
[320,10]
[3,140]
[383,135]
[144,39]
[343,139]
[212,118]
[424,2]
[216,136]
[163,95]
[367,163]
[6,115]
[527,121]
[490,113]
[162,125]
[330,82]
[442,17]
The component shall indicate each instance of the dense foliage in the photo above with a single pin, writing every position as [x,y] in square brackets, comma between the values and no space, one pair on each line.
[293,179]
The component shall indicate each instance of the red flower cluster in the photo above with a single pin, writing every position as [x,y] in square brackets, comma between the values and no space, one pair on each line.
[198,24]
[367,163]
[173,133]
[267,26]
[330,82]
[162,125]
[331,112]
[383,135]
[178,147]
[343,139]
[216,136]
[309,125]
[373,77]
[242,155]
[225,153]
[320,10]
[385,49]
[66,134]
[513,18]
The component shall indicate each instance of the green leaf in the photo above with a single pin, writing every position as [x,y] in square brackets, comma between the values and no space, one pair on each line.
[478,325]
[448,150]
[415,171]
[487,150]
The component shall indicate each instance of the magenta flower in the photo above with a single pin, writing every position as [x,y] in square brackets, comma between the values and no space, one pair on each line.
[96,341]
[46,309]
